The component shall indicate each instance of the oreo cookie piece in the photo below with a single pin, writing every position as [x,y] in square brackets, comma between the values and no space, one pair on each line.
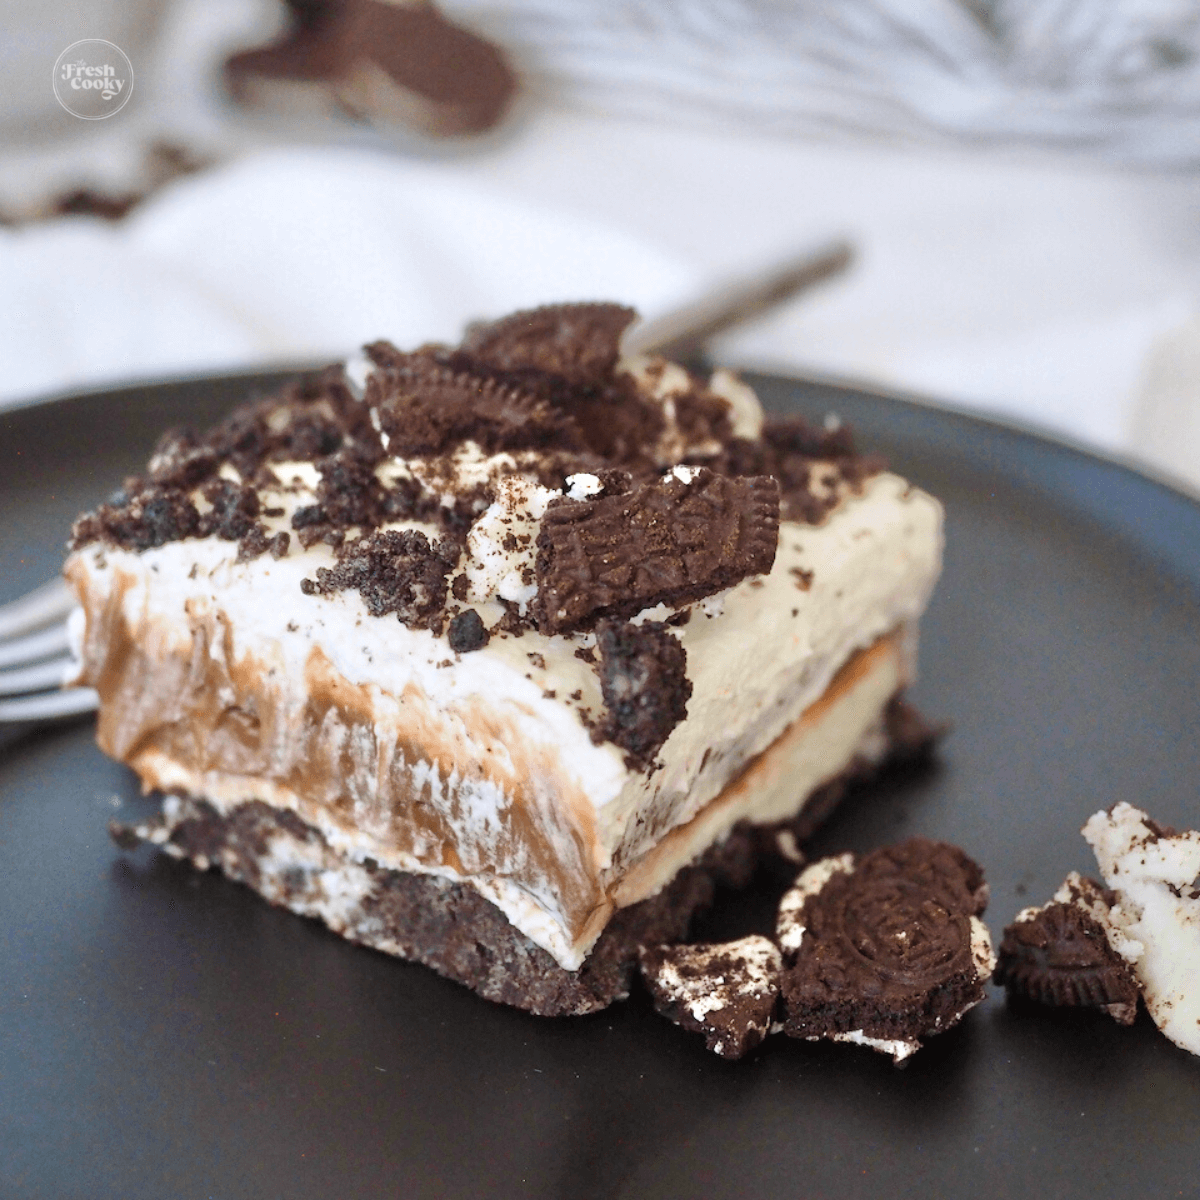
[425,406]
[140,517]
[467,632]
[727,992]
[580,342]
[1067,953]
[682,537]
[389,63]
[884,950]
[643,678]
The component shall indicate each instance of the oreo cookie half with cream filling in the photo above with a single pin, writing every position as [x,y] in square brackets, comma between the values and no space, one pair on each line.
[884,950]
[727,991]
[1104,946]
[491,655]
[1068,953]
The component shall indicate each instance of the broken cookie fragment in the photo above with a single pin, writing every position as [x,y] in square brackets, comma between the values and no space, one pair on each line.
[725,991]
[392,64]
[467,632]
[643,678]
[1069,954]
[683,537]
[884,950]
[580,342]
[1154,872]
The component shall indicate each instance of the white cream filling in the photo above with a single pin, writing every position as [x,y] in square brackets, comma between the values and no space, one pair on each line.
[1157,881]
[897,1049]
[759,963]
[788,929]
[502,543]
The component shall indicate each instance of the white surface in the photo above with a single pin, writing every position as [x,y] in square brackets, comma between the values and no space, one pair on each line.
[1119,76]
[294,254]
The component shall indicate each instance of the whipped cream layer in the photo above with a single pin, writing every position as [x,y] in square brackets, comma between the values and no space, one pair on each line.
[225,680]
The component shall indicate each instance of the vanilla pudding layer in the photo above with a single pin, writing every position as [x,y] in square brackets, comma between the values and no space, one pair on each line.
[224,680]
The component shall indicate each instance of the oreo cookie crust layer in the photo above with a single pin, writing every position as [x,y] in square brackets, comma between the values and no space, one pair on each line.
[884,950]
[520,616]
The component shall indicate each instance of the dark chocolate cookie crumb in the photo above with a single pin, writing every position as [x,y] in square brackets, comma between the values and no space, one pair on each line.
[181,460]
[124,836]
[467,632]
[348,494]
[146,515]
[643,677]
[669,542]
[1060,955]
[256,543]
[233,513]
[789,450]
[911,736]
[397,572]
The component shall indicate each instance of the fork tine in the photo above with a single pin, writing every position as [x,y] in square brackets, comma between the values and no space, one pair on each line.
[34,646]
[51,602]
[34,679]
[48,705]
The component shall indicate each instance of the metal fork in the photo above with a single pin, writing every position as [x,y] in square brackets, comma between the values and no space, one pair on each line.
[34,657]
[34,648]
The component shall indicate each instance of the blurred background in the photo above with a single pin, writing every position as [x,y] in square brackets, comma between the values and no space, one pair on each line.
[282,181]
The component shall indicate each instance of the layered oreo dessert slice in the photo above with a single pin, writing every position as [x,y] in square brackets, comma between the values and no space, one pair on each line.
[495,656]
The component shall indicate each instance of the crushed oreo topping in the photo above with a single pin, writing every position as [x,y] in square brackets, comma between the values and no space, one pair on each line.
[467,632]
[426,406]
[669,542]
[348,494]
[791,449]
[643,678]
[1060,955]
[140,517]
[580,342]
[394,571]
[233,513]
[258,542]
[884,948]
[181,460]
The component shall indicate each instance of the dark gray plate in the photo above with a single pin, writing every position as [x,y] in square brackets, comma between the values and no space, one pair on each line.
[167,1034]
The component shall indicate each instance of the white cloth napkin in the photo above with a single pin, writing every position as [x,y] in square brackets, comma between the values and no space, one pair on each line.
[1062,294]
[296,255]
